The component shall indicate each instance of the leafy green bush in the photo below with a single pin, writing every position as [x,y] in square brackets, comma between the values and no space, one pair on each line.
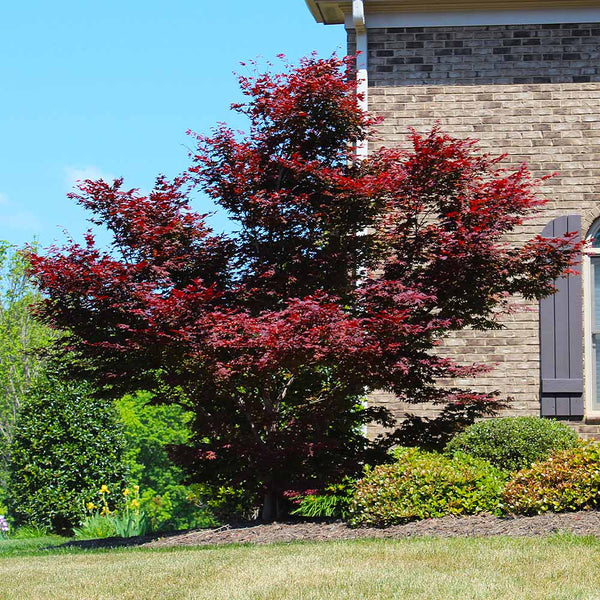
[149,430]
[333,501]
[569,480]
[422,485]
[513,443]
[66,443]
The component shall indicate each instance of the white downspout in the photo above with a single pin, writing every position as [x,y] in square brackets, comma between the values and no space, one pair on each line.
[362,87]
[362,74]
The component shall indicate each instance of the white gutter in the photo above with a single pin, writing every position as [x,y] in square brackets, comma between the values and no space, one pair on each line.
[362,74]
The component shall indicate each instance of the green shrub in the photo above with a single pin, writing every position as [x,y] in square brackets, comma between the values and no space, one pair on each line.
[21,337]
[333,501]
[176,508]
[149,430]
[422,485]
[569,480]
[66,444]
[226,504]
[513,443]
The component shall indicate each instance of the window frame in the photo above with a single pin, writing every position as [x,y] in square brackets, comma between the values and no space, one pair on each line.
[589,359]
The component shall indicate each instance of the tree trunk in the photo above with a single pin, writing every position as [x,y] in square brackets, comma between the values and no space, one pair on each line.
[280,508]
[269,509]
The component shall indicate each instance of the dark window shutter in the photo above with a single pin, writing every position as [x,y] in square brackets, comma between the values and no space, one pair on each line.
[561,338]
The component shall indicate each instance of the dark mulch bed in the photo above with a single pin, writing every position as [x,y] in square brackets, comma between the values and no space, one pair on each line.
[579,523]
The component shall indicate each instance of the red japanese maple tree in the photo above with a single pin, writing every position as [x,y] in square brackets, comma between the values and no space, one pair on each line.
[341,278]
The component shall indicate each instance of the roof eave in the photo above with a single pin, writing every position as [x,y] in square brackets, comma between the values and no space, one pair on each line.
[333,12]
[314,9]
[329,12]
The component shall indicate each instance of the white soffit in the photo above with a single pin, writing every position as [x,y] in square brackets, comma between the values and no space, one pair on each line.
[480,17]
[329,12]
[418,13]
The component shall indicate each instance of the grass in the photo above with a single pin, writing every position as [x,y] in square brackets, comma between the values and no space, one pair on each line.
[28,546]
[558,568]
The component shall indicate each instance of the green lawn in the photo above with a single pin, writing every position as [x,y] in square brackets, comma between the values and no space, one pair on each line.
[29,545]
[559,567]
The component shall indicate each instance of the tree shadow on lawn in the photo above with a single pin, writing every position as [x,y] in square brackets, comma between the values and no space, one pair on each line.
[111,542]
[183,536]
[257,532]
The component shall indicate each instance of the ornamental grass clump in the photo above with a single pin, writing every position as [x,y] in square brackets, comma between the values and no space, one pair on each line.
[332,501]
[569,480]
[513,443]
[422,485]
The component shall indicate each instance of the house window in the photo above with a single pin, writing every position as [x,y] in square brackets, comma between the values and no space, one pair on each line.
[591,273]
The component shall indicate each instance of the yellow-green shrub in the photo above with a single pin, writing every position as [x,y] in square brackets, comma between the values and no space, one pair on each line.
[569,480]
[422,485]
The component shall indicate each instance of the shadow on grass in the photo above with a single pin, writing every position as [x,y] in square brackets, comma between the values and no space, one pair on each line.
[119,542]
[249,531]
[141,540]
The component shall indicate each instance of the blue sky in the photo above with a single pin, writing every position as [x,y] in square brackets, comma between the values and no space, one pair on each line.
[107,89]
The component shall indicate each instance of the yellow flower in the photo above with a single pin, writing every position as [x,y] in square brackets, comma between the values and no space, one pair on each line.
[135,503]
[91,506]
[136,488]
[104,490]
[105,511]
[126,492]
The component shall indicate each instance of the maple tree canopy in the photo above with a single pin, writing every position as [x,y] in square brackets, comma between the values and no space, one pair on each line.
[341,277]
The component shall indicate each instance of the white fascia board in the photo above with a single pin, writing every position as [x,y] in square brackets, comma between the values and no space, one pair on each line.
[465,18]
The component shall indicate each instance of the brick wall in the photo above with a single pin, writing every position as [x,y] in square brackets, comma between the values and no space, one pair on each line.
[530,91]
[499,54]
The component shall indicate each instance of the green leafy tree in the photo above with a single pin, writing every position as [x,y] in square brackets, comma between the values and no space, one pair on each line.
[20,335]
[150,430]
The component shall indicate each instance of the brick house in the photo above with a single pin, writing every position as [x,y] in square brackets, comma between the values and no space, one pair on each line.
[523,77]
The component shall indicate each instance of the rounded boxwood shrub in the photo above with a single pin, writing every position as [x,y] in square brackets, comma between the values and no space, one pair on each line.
[423,485]
[569,480]
[66,445]
[513,443]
